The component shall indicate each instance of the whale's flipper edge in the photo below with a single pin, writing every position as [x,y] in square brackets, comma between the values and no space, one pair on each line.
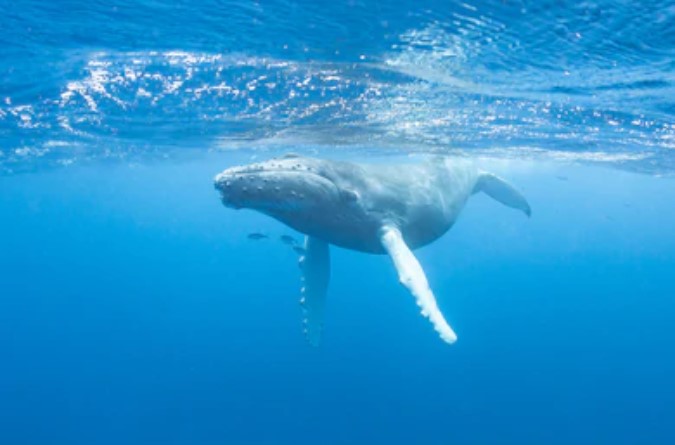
[502,191]
[315,267]
[411,275]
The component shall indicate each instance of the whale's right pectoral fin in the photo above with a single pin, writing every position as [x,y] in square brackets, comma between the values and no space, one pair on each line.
[502,191]
[412,276]
[315,267]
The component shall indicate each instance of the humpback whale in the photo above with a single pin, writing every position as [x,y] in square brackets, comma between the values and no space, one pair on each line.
[371,208]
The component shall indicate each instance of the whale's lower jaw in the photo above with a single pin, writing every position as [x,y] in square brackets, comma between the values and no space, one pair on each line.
[275,187]
[264,191]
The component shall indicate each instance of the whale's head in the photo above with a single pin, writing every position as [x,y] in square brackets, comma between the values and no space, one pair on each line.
[287,188]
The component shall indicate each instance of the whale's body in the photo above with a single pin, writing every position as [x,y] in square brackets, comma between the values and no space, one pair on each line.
[373,208]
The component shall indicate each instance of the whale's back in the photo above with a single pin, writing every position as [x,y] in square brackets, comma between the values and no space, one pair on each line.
[423,200]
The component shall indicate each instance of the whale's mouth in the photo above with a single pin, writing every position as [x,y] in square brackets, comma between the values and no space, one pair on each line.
[272,188]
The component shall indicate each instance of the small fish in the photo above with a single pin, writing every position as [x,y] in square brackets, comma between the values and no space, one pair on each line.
[287,239]
[562,178]
[299,250]
[256,236]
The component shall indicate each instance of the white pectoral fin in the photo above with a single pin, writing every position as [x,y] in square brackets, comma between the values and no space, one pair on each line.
[502,191]
[315,267]
[412,276]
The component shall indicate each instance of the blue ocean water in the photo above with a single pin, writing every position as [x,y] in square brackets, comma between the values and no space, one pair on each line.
[134,308]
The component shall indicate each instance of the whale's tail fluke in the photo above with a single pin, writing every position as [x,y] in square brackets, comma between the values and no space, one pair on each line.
[502,191]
